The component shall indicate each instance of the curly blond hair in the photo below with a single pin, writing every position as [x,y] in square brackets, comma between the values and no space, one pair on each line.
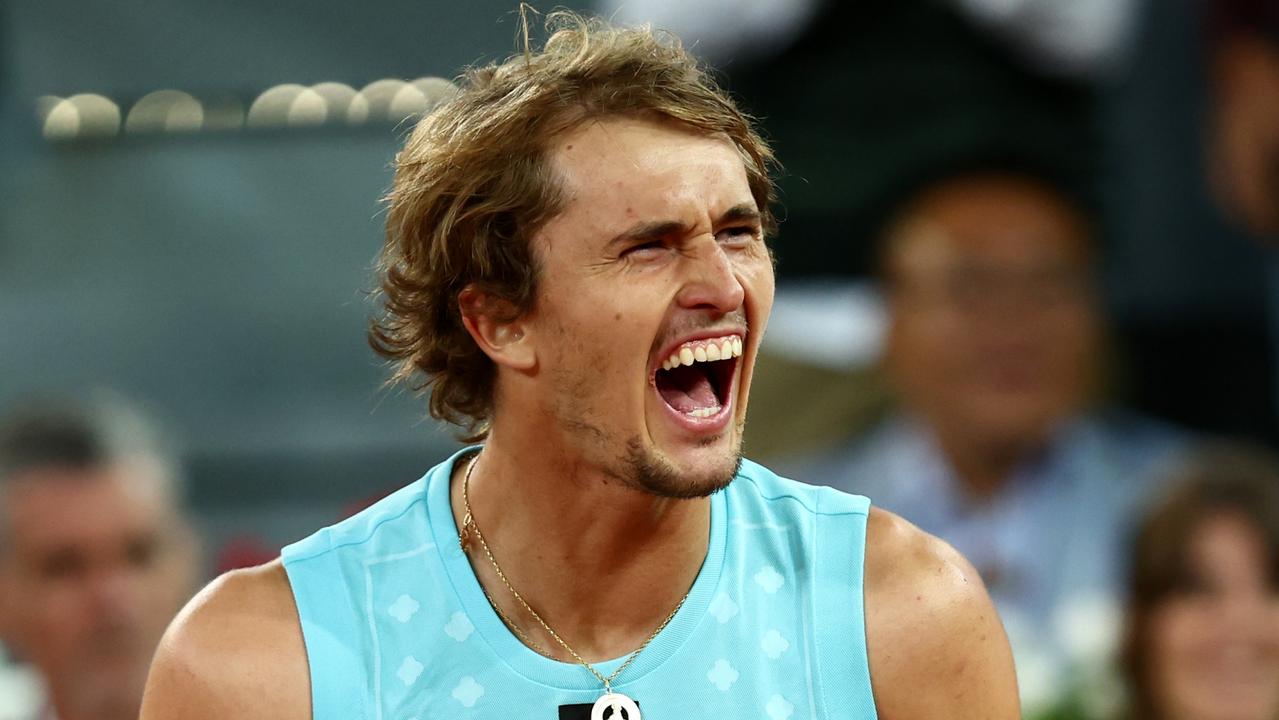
[473,185]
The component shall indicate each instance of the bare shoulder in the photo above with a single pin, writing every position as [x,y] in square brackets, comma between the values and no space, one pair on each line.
[235,651]
[937,648]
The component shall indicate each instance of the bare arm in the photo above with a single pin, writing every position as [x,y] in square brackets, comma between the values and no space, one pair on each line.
[937,648]
[234,653]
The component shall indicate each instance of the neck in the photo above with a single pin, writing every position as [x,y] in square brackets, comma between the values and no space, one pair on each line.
[602,563]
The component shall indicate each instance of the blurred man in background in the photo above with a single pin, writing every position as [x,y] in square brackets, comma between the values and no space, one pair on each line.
[994,349]
[96,556]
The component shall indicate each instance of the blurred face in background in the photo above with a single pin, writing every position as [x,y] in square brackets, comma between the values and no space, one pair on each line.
[94,563]
[994,322]
[1214,649]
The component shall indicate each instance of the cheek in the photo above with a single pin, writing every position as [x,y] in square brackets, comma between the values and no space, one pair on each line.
[1176,630]
[1272,620]
[935,328]
[1265,631]
[160,594]
[48,618]
[931,347]
[598,354]
[764,299]
[1073,335]
[758,277]
[1178,636]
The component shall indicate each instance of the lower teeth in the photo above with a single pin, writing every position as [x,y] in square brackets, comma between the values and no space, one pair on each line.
[704,412]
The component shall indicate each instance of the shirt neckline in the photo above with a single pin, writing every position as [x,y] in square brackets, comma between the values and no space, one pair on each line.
[509,650]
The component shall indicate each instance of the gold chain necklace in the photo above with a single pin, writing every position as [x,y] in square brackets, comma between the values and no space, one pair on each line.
[616,701]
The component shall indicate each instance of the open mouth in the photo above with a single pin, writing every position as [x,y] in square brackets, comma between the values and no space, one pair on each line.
[696,379]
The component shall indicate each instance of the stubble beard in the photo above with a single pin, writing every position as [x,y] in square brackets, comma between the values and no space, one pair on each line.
[638,464]
[650,473]
[641,467]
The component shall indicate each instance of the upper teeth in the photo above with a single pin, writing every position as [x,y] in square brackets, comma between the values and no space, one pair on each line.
[704,351]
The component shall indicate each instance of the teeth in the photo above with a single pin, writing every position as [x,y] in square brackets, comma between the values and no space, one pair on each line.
[704,412]
[711,352]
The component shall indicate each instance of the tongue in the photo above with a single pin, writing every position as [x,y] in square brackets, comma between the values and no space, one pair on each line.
[687,388]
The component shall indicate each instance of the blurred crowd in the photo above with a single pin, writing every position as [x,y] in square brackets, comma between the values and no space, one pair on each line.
[1133,554]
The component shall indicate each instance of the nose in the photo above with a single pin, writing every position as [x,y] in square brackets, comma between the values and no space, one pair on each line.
[711,281]
[115,592]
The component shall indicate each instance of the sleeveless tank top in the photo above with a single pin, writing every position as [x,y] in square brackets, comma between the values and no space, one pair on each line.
[396,625]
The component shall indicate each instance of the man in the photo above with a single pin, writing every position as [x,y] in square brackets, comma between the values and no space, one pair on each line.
[575,266]
[999,447]
[1243,147]
[95,555]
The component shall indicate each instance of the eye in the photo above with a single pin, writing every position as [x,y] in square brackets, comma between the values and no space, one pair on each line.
[62,565]
[645,251]
[739,235]
[141,552]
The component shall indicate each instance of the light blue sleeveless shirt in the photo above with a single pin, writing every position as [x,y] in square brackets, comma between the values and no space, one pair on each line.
[397,627]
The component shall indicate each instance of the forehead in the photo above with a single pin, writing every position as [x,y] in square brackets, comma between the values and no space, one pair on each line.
[997,220]
[615,171]
[54,505]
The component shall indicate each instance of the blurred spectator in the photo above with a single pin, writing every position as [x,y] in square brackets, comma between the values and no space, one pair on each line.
[96,556]
[1203,605]
[999,447]
[1244,112]
[1243,115]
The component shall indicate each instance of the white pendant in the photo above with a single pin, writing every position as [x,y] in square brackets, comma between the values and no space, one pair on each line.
[623,708]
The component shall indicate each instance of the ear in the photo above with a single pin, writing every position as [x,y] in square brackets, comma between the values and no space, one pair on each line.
[497,328]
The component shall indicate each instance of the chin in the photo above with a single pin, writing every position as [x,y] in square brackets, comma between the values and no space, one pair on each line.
[110,698]
[710,470]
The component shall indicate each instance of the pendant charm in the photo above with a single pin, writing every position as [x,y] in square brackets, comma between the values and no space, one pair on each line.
[464,537]
[617,706]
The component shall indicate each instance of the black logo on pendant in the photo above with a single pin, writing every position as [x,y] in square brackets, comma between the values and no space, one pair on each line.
[583,712]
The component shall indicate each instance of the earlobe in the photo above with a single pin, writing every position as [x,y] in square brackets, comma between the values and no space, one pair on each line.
[497,328]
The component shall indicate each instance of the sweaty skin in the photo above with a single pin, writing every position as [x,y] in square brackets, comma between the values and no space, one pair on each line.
[659,243]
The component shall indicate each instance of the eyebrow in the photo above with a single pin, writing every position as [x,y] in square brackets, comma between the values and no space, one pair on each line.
[654,230]
[739,213]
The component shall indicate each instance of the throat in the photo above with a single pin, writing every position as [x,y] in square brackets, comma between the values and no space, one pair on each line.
[601,563]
